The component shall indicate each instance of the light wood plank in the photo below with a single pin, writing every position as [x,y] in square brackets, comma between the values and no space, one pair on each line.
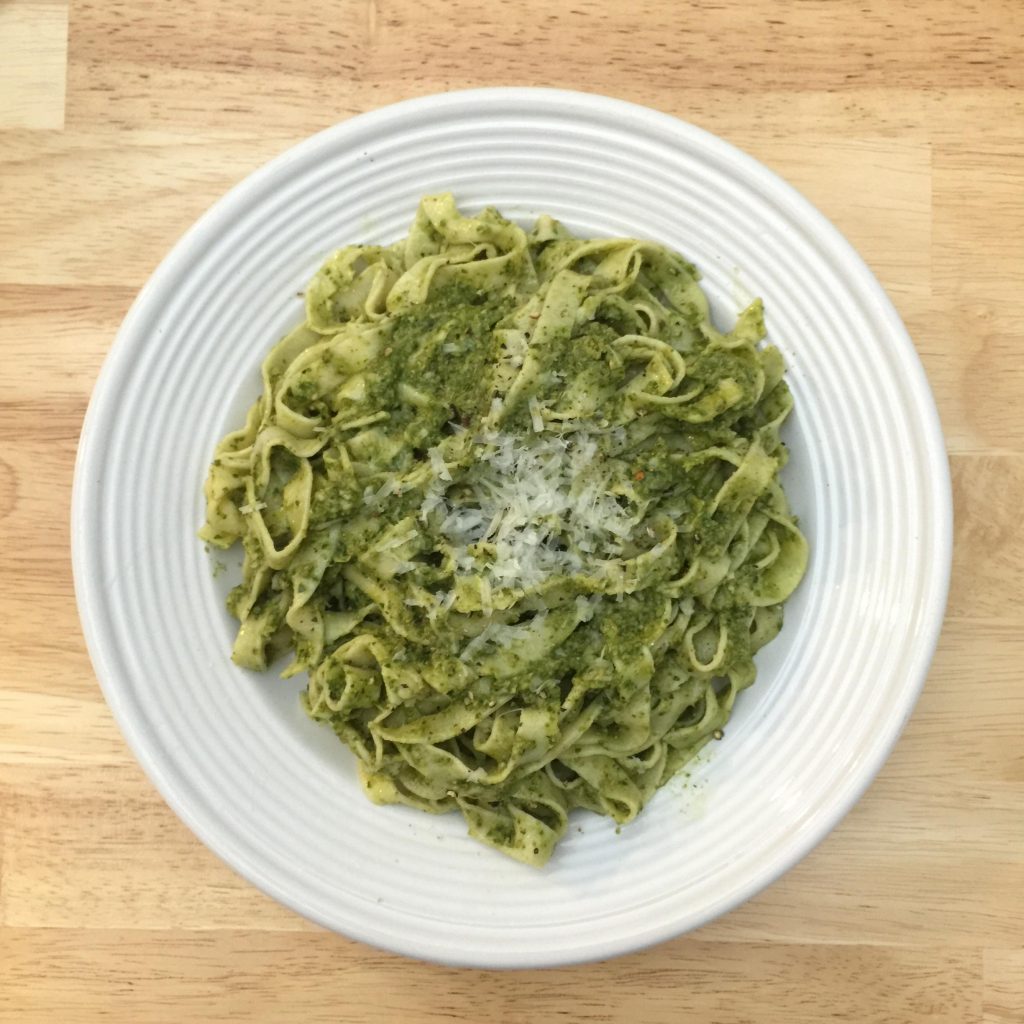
[33,62]
[988,558]
[216,976]
[343,56]
[1003,975]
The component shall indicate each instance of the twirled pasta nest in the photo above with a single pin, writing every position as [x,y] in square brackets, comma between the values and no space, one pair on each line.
[512,502]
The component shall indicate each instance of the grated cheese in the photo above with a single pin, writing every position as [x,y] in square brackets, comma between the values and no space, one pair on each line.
[535,416]
[438,464]
[386,489]
[529,509]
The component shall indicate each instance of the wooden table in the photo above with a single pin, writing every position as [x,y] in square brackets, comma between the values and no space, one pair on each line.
[122,120]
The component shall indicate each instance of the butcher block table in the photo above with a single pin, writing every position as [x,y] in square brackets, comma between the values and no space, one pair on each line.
[122,120]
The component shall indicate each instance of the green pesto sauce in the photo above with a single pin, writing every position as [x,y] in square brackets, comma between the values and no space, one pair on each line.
[446,348]
[578,385]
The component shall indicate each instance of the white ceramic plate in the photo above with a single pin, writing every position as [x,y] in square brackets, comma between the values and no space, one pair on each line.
[274,794]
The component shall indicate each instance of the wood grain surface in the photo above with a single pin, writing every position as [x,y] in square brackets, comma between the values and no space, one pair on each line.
[122,120]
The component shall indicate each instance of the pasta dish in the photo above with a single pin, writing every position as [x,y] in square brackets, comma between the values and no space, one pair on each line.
[512,502]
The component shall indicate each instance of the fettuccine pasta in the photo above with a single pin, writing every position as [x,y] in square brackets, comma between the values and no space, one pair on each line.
[513,503]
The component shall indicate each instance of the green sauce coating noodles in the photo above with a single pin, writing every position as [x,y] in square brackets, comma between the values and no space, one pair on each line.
[513,503]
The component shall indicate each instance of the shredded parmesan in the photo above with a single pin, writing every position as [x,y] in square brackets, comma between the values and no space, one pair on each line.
[386,489]
[397,542]
[535,416]
[529,508]
[438,464]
